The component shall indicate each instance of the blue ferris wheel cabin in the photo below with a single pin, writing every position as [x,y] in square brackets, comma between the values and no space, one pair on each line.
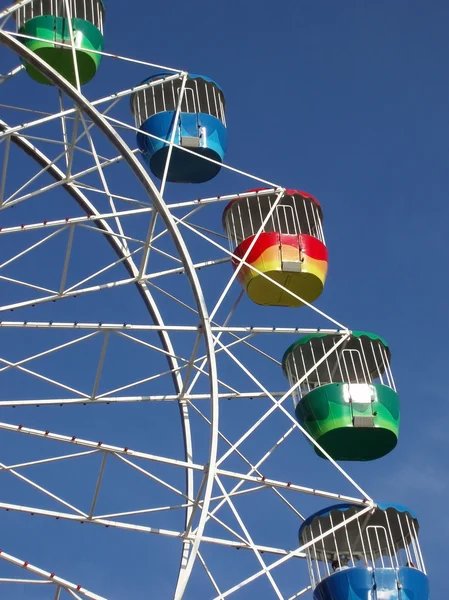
[373,557]
[200,131]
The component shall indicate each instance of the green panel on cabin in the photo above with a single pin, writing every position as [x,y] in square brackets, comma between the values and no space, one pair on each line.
[52,30]
[328,416]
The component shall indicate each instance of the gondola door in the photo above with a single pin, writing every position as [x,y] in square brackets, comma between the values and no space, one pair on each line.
[189,125]
[289,246]
[360,391]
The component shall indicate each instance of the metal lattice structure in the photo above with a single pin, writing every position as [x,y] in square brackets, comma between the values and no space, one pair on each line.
[164,415]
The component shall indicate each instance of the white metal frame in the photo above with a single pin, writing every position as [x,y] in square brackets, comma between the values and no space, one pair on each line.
[151,190]
[58,586]
[217,339]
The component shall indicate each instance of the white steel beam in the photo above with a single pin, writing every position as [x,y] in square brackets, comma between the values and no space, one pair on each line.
[48,576]
[125,451]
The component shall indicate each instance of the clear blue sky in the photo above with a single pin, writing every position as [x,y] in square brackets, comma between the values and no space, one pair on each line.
[348,101]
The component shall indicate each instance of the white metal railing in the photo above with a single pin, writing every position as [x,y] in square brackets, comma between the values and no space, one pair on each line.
[294,215]
[87,10]
[200,97]
[365,364]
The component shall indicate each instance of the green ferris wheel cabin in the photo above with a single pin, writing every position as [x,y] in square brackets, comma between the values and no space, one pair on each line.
[348,403]
[49,26]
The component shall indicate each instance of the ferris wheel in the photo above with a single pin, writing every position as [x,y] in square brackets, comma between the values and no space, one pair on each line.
[155,385]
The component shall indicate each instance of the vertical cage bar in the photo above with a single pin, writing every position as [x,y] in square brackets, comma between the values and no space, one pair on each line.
[348,540]
[326,563]
[379,370]
[315,361]
[365,556]
[390,533]
[327,360]
[233,224]
[404,540]
[248,208]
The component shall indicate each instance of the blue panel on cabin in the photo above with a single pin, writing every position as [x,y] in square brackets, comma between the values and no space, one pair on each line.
[184,167]
[414,585]
[377,584]
[349,584]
